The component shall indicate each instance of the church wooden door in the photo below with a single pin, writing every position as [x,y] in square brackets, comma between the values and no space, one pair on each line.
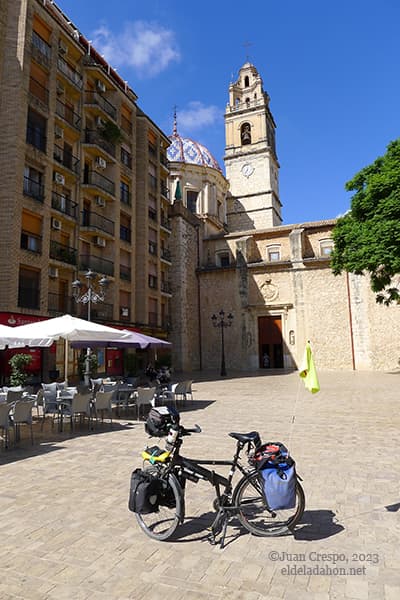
[270,348]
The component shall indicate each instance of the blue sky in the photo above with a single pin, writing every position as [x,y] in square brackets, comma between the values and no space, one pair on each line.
[331,70]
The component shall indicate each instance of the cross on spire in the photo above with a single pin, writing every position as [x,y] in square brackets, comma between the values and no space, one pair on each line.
[175,129]
[247,46]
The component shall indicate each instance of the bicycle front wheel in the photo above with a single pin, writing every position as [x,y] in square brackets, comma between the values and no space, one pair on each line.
[254,514]
[162,524]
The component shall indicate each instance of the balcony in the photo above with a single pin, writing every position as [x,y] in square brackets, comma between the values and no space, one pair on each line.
[67,114]
[41,51]
[34,189]
[35,137]
[164,190]
[94,98]
[152,214]
[73,76]
[102,311]
[64,205]
[99,181]
[125,273]
[59,304]
[31,242]
[166,223]
[164,161]
[165,287]
[96,264]
[66,158]
[39,91]
[96,222]
[166,254]
[125,234]
[63,253]
[92,136]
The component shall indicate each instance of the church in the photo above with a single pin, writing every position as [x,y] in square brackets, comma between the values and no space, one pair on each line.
[248,290]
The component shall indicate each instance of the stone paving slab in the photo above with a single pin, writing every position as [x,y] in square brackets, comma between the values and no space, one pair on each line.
[67,533]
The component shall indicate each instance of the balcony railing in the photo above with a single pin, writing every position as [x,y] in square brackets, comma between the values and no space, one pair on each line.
[39,91]
[99,181]
[41,51]
[92,97]
[125,272]
[92,136]
[36,137]
[95,221]
[31,242]
[166,254]
[165,223]
[64,204]
[63,253]
[164,161]
[67,113]
[126,158]
[164,190]
[59,304]
[34,189]
[152,247]
[66,158]
[102,311]
[125,233]
[28,297]
[165,287]
[96,264]
[70,73]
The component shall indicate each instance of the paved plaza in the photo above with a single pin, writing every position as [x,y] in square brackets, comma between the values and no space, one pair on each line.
[66,532]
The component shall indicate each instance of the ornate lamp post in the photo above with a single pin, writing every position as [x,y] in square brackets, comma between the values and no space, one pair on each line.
[87,296]
[221,322]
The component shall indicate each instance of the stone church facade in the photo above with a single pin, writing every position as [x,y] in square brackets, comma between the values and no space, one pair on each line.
[231,251]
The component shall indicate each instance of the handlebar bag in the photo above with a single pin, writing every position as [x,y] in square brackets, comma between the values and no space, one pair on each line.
[160,419]
[279,484]
[145,491]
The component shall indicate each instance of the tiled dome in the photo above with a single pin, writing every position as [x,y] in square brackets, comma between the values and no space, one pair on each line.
[188,151]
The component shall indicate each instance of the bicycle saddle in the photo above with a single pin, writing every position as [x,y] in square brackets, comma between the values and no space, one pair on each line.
[252,436]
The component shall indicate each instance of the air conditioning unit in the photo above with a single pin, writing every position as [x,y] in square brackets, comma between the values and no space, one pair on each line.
[60,89]
[100,122]
[59,178]
[53,272]
[100,201]
[100,162]
[100,85]
[124,311]
[59,132]
[56,224]
[99,241]
[62,48]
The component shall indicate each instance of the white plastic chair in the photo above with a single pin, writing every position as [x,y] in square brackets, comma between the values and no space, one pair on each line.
[101,403]
[142,397]
[22,414]
[5,423]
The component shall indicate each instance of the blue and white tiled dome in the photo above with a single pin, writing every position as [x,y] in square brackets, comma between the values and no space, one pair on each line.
[188,151]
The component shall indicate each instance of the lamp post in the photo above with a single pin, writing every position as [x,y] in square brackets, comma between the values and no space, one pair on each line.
[87,296]
[221,322]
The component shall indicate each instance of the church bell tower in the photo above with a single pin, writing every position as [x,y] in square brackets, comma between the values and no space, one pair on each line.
[251,163]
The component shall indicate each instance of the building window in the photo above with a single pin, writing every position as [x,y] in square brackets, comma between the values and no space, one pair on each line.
[36,130]
[326,247]
[246,81]
[125,193]
[191,201]
[33,184]
[273,253]
[245,134]
[223,259]
[31,230]
[29,288]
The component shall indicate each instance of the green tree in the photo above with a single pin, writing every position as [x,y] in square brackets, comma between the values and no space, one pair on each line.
[18,364]
[367,238]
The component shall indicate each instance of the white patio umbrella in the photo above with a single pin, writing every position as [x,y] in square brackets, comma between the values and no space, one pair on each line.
[133,339]
[5,331]
[44,333]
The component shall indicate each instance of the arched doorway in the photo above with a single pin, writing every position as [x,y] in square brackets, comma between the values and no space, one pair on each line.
[270,347]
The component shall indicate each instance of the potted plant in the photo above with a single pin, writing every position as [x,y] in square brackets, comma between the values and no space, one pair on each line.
[18,364]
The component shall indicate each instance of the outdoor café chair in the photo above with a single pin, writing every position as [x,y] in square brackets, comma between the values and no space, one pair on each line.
[103,403]
[142,397]
[79,404]
[5,422]
[22,414]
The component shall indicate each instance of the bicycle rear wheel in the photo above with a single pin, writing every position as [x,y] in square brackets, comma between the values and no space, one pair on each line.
[253,513]
[162,524]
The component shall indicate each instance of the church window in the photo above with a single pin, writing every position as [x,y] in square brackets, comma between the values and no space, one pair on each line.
[191,200]
[245,134]
[223,259]
[246,81]
[273,252]
[326,247]
[247,102]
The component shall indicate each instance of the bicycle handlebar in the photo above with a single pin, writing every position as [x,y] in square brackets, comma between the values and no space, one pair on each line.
[188,431]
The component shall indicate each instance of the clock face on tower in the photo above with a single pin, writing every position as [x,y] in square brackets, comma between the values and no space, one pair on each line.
[247,169]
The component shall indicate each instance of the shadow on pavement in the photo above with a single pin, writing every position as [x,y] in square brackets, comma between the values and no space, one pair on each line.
[317,525]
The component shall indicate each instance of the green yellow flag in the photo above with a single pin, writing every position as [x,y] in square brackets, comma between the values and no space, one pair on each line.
[308,372]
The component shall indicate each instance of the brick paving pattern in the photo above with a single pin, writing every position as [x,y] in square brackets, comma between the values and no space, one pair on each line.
[66,532]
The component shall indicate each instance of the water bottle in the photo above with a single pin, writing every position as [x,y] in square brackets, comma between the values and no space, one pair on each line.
[172,435]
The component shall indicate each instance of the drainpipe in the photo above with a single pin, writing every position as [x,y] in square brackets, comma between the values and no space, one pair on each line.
[198,298]
[350,322]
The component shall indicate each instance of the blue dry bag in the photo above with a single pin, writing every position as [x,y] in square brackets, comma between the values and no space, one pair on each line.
[279,482]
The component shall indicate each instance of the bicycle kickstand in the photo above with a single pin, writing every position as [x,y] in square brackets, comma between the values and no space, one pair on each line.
[219,525]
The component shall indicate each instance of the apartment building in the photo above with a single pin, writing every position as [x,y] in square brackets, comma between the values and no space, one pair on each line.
[84,183]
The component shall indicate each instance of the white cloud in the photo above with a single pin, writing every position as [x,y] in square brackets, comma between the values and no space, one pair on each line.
[147,47]
[197,115]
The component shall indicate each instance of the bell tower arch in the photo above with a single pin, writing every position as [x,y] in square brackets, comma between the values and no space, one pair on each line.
[251,162]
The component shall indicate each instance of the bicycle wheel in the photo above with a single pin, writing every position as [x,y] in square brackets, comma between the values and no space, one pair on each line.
[162,524]
[253,513]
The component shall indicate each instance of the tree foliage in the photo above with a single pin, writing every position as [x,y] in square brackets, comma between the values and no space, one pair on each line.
[18,364]
[367,238]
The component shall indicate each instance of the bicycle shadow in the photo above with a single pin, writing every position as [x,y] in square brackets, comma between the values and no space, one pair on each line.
[317,525]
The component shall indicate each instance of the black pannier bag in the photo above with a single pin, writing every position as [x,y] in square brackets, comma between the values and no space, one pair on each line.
[160,419]
[145,492]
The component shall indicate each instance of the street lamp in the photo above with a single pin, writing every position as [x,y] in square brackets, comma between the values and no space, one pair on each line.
[89,294]
[221,322]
